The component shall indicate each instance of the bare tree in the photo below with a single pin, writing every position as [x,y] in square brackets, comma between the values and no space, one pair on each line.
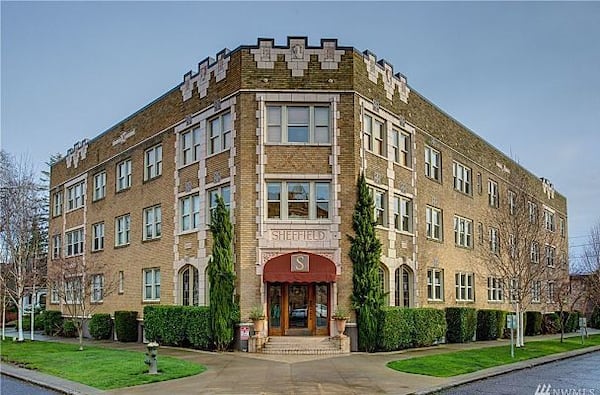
[590,265]
[20,219]
[523,245]
[80,286]
[566,297]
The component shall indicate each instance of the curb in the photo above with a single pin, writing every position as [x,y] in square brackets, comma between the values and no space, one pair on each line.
[504,369]
[47,381]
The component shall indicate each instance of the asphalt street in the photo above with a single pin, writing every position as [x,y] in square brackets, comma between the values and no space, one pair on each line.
[579,375]
[9,385]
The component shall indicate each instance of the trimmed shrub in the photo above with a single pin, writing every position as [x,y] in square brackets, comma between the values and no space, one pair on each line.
[198,327]
[126,326]
[69,329]
[100,326]
[533,323]
[38,323]
[178,325]
[595,319]
[487,324]
[461,323]
[429,326]
[53,322]
[550,324]
[411,327]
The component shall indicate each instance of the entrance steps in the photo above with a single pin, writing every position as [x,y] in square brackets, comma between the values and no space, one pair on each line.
[302,345]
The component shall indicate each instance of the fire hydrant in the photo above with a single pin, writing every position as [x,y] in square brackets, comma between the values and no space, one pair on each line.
[151,358]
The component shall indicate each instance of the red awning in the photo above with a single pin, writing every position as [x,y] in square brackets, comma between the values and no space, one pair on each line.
[279,269]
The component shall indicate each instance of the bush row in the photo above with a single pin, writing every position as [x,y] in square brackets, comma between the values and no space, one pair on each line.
[178,325]
[418,327]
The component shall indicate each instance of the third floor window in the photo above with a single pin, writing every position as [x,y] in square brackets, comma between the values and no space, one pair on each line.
[219,133]
[153,162]
[298,200]
[123,175]
[298,124]
[99,185]
[462,177]
[433,163]
[76,196]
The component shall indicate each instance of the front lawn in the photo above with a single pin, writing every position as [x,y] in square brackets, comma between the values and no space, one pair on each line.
[467,361]
[97,367]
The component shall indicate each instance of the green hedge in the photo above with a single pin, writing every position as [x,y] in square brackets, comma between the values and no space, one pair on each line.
[550,323]
[533,323]
[411,327]
[126,326]
[38,323]
[100,326]
[69,329]
[595,319]
[52,320]
[178,325]
[488,325]
[461,323]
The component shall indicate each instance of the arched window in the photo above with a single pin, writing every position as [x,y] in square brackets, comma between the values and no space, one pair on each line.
[384,282]
[403,286]
[188,285]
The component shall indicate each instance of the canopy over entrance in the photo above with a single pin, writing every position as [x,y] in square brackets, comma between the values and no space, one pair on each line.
[299,267]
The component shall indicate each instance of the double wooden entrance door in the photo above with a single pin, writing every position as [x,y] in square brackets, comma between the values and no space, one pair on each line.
[296,309]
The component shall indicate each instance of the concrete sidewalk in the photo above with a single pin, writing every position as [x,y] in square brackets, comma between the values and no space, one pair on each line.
[357,373]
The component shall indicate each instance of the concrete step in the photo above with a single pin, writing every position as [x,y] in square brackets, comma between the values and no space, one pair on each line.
[301,345]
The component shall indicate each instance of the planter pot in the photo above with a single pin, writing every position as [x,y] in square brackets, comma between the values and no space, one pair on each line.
[340,325]
[259,326]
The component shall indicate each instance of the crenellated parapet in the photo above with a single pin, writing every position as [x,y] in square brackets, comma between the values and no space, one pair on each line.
[207,68]
[77,153]
[385,70]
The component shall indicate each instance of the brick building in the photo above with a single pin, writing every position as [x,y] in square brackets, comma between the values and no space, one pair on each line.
[282,133]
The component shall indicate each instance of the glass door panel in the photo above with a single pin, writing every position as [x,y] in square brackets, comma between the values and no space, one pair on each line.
[298,306]
[275,306]
[322,305]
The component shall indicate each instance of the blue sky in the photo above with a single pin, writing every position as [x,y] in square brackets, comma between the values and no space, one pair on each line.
[524,76]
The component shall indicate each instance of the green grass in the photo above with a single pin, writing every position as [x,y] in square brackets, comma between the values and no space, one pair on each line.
[97,367]
[467,361]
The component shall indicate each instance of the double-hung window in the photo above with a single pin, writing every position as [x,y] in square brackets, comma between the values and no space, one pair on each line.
[308,124]
[401,147]
[464,286]
[219,133]
[298,199]
[73,290]
[494,289]
[189,146]
[463,232]
[494,241]
[402,214]
[493,193]
[223,191]
[98,236]
[550,292]
[512,202]
[374,135]
[152,223]
[380,199]
[433,220]
[561,222]
[189,212]
[97,293]
[549,222]
[76,196]
[56,246]
[153,162]
[152,284]
[462,177]
[435,284]
[57,203]
[533,212]
[99,185]
[122,230]
[74,242]
[123,175]
[536,291]
[534,252]
[550,255]
[433,163]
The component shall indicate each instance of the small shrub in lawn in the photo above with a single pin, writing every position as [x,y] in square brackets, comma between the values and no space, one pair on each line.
[533,323]
[100,326]
[461,323]
[69,329]
[53,322]
[126,326]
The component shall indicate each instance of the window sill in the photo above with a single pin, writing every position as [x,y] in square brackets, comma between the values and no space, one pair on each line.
[495,301]
[467,248]
[271,143]
[151,301]
[188,164]
[434,180]
[74,209]
[435,301]
[465,301]
[99,199]
[189,232]
[298,221]
[151,240]
[463,193]
[403,232]
[73,256]
[97,302]
[147,180]
[402,166]
[122,190]
[435,240]
[122,246]
[97,251]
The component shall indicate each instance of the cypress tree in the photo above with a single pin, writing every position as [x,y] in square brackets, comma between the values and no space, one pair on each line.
[221,274]
[365,252]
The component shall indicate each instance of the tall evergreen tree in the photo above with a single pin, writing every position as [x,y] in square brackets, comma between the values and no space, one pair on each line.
[365,252]
[221,274]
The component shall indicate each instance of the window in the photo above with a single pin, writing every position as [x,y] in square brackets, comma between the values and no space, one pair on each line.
[189,208]
[550,254]
[479,184]
[433,162]
[189,285]
[403,286]
[98,236]
[462,177]
[56,246]
[464,286]
[494,241]
[494,289]
[122,229]
[383,282]
[550,292]
[374,135]
[512,245]
[124,175]
[536,291]
[561,224]
[298,124]
[435,284]
[121,287]
[379,197]
[73,290]
[298,199]
[97,288]
[99,185]
[57,199]
[493,193]
[402,214]
[433,218]
[189,146]
[152,284]
[514,290]
[512,202]
[74,242]
[76,196]
[153,162]
[401,147]
[219,133]
[534,252]
[463,232]
[152,223]
[533,212]
[549,223]
[54,296]
[224,192]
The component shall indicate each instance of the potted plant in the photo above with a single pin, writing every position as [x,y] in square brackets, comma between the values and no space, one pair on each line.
[340,316]
[257,315]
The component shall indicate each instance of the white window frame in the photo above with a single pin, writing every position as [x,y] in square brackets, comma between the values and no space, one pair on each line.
[463,178]
[57,203]
[533,212]
[380,206]
[99,185]
[189,212]
[465,287]
[97,291]
[551,293]
[123,230]
[434,223]
[549,255]
[151,289]
[219,140]
[56,246]
[534,252]
[401,151]
[512,202]
[495,287]
[561,225]
[312,201]
[280,127]
[549,220]
[223,191]
[403,214]
[435,285]
[152,222]
[73,290]
[463,232]
[493,194]
[433,163]
[374,142]
[76,196]
[189,146]
[74,244]
[98,236]
[536,291]
[153,162]
[123,175]
[494,241]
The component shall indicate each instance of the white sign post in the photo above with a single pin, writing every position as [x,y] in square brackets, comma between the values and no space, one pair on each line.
[511,323]
[583,327]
